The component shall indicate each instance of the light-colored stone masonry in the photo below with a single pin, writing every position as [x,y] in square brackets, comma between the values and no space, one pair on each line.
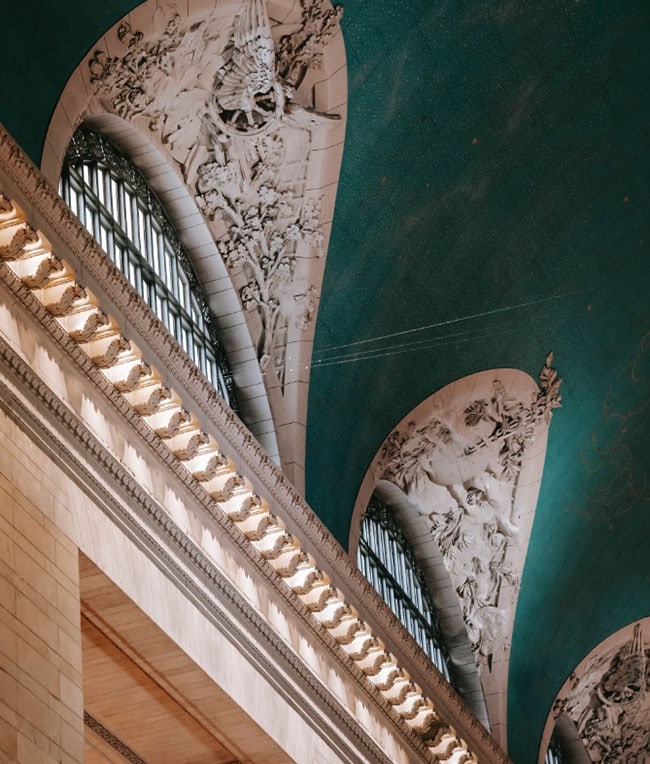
[41,704]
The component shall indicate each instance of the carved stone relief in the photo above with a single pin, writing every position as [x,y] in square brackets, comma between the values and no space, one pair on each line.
[608,698]
[225,100]
[458,458]
[468,461]
[462,473]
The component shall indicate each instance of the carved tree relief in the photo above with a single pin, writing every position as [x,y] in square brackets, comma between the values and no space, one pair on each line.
[225,100]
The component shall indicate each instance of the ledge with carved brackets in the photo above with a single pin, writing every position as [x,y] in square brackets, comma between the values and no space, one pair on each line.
[208,451]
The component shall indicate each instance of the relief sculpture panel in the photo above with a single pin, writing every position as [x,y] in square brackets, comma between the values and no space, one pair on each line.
[240,106]
[225,100]
[608,698]
[468,461]
[460,468]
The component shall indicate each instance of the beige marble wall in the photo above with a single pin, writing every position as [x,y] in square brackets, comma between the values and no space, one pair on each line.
[41,705]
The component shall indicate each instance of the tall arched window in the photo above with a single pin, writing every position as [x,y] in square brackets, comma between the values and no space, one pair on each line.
[114,202]
[386,559]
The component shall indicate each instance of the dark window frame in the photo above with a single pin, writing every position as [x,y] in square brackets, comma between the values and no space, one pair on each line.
[387,560]
[116,205]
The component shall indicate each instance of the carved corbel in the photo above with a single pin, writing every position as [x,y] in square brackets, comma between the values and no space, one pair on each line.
[223,486]
[60,298]
[147,398]
[287,562]
[316,598]
[105,351]
[82,323]
[35,271]
[127,375]
[167,420]
[16,239]
[272,545]
[204,466]
[187,441]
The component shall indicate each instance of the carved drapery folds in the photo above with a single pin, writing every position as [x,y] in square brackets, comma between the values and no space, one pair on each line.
[608,698]
[225,100]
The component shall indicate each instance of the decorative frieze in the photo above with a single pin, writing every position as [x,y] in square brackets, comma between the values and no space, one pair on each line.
[121,748]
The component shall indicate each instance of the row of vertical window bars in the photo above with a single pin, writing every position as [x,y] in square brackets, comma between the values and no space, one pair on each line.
[124,226]
[386,559]
[554,753]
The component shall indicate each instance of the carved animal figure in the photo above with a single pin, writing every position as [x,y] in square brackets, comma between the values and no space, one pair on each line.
[248,92]
[249,96]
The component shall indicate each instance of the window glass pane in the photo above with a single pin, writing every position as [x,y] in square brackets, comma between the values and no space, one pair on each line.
[386,559]
[113,201]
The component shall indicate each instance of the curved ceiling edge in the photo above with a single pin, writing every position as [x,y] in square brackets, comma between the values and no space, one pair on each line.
[258,155]
[470,459]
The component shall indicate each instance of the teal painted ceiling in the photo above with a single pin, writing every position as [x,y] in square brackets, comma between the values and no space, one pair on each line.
[494,204]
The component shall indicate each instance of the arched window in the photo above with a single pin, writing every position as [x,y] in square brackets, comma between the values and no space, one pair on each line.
[114,202]
[386,559]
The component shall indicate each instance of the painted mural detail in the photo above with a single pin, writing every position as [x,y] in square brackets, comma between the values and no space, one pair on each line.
[228,107]
[462,472]
[614,478]
[608,698]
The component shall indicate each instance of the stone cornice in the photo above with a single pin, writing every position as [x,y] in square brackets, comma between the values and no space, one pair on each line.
[96,272]
[119,495]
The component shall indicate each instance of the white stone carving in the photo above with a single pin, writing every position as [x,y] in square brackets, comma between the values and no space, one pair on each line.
[608,698]
[267,221]
[230,111]
[248,94]
[460,468]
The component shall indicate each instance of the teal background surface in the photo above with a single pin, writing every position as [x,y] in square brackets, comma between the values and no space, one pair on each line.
[493,206]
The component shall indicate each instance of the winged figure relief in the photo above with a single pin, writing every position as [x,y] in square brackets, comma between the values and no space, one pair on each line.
[249,96]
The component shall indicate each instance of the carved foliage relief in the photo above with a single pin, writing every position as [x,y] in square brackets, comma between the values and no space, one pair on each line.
[224,97]
[460,467]
[608,698]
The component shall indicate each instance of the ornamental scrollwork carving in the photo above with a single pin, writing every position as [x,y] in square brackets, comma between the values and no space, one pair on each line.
[461,469]
[227,105]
